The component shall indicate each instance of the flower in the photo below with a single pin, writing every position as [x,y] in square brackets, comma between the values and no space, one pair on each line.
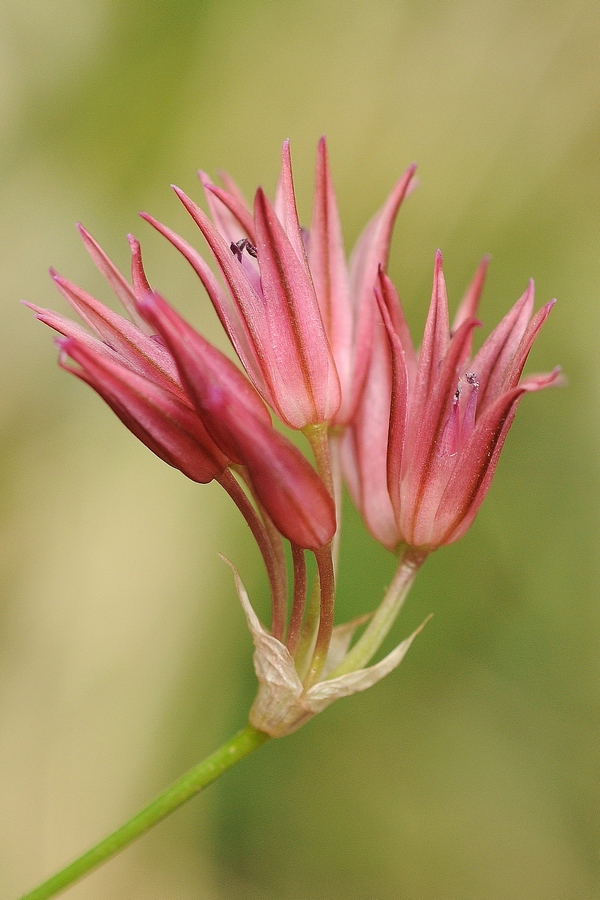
[285,483]
[301,322]
[148,387]
[423,447]
[325,346]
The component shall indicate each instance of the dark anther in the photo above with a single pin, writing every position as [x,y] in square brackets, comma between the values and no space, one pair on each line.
[457,395]
[472,378]
[238,247]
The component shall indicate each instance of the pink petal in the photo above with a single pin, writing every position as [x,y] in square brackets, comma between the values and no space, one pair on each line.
[426,468]
[470,302]
[210,378]
[137,349]
[138,275]
[435,344]
[330,278]
[285,483]
[371,251]
[250,333]
[491,362]
[436,339]
[474,469]
[169,427]
[289,212]
[515,367]
[239,223]
[389,305]
[71,329]
[229,315]
[308,390]
[108,269]
[389,295]
[365,447]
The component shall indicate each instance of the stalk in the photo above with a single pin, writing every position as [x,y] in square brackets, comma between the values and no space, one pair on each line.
[378,628]
[203,774]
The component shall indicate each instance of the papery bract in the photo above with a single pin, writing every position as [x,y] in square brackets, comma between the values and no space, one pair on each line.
[283,704]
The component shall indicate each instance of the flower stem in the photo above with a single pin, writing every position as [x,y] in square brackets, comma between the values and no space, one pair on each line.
[378,628]
[299,602]
[269,544]
[203,774]
[335,447]
[317,438]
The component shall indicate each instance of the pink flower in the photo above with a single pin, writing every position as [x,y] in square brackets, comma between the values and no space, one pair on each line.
[185,400]
[345,292]
[422,450]
[326,346]
[270,311]
[237,419]
[301,323]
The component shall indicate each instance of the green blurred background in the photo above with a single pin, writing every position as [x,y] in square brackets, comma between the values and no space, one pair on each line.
[470,773]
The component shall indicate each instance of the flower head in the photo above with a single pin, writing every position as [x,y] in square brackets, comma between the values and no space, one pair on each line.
[153,383]
[424,445]
[300,319]
[325,346]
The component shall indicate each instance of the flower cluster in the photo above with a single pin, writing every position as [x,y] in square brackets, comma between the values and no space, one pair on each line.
[324,346]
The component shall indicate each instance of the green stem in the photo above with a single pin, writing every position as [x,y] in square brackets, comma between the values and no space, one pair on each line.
[207,771]
[379,626]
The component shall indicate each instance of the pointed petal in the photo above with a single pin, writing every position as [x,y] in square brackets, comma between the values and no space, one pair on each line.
[202,368]
[389,295]
[327,262]
[555,378]
[373,246]
[136,349]
[371,251]
[491,361]
[251,337]
[289,220]
[141,286]
[118,283]
[71,329]
[427,466]
[435,343]
[389,304]
[514,369]
[308,390]
[365,448]
[158,418]
[231,217]
[228,313]
[476,464]
[285,483]
[232,188]
[239,222]
[470,302]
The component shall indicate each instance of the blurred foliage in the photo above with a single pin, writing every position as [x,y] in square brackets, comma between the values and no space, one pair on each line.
[469,774]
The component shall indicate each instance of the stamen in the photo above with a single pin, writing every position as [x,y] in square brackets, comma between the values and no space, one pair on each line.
[472,378]
[238,247]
